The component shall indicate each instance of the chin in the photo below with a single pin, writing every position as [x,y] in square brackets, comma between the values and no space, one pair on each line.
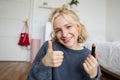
[68,45]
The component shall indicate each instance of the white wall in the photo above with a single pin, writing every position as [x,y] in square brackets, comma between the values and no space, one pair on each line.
[12,15]
[113,20]
[91,12]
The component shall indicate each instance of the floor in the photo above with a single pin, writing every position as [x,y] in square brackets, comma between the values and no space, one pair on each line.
[14,70]
[19,70]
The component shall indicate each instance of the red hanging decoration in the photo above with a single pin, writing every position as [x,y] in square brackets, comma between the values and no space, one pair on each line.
[24,36]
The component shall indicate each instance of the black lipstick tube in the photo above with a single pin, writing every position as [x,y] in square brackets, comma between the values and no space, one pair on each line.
[93,50]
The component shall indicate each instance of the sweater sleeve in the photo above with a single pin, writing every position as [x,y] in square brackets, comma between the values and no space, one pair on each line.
[38,70]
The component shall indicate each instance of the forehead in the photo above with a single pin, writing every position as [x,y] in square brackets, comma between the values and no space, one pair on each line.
[63,20]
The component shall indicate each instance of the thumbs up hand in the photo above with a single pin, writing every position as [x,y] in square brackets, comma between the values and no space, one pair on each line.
[52,58]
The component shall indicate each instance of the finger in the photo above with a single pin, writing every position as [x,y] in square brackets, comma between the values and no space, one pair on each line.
[90,62]
[88,65]
[85,67]
[93,59]
[58,53]
[57,56]
[50,49]
[57,61]
[57,64]
[96,56]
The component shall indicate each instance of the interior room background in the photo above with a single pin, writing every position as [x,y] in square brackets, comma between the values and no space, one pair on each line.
[101,18]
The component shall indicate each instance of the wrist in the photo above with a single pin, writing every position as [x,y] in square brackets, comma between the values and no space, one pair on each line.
[93,76]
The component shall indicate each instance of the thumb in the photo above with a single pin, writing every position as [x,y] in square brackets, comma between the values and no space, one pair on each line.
[50,49]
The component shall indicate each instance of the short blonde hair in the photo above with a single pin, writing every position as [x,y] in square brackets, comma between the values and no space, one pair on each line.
[63,11]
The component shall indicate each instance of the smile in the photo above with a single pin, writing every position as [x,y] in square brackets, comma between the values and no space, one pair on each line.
[67,40]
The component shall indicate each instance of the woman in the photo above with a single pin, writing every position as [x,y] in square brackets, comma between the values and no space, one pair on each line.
[63,58]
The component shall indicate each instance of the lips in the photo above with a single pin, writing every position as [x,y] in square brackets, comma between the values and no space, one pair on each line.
[67,40]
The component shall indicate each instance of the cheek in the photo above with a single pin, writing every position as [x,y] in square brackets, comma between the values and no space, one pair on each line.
[58,36]
[74,31]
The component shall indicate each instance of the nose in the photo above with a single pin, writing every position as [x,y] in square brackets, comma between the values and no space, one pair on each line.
[64,33]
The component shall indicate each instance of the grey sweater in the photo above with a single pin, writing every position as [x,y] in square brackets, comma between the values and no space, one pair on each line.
[71,68]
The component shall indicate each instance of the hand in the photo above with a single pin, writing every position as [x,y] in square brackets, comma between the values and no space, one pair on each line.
[52,58]
[90,65]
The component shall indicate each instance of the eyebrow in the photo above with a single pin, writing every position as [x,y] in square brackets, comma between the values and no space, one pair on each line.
[68,24]
[63,25]
[57,28]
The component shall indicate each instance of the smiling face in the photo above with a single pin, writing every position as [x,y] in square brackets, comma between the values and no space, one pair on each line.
[66,32]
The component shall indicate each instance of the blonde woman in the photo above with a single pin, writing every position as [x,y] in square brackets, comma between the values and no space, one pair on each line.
[62,58]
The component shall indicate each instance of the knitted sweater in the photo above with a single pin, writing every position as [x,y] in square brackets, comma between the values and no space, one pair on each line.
[71,68]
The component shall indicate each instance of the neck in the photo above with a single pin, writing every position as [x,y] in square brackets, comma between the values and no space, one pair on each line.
[77,47]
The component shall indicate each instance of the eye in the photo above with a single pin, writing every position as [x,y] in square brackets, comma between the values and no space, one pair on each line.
[57,30]
[69,27]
